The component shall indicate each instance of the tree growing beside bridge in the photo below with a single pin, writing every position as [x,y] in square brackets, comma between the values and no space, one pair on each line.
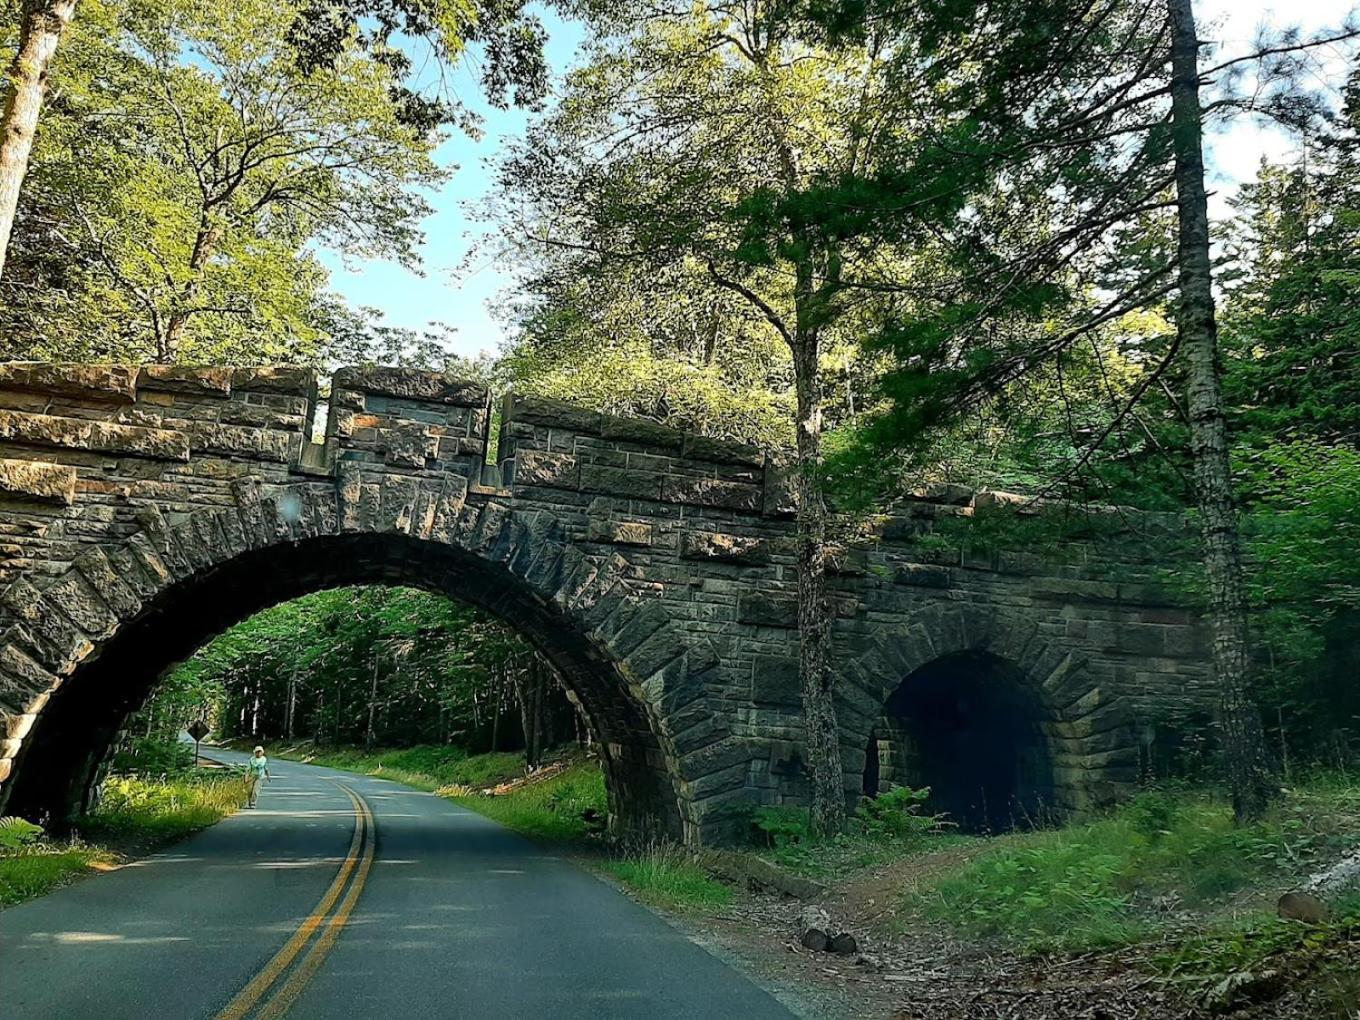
[692,147]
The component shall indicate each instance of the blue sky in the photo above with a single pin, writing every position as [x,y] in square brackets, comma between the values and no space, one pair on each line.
[465,302]
[412,301]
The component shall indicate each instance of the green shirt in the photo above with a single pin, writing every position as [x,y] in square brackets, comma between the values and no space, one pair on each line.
[257,766]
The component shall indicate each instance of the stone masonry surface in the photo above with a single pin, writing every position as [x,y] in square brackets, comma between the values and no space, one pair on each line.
[144,508]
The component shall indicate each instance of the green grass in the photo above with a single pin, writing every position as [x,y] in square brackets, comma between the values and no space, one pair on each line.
[134,816]
[1127,876]
[430,767]
[828,860]
[549,810]
[881,830]
[159,811]
[665,876]
[39,869]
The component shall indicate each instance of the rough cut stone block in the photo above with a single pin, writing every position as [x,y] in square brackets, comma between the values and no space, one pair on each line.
[258,416]
[1074,589]
[641,431]
[554,414]
[276,379]
[620,532]
[766,610]
[1144,594]
[842,562]
[208,382]
[410,445]
[39,481]
[775,681]
[23,676]
[654,653]
[943,492]
[619,482]
[918,576]
[45,430]
[722,548]
[158,444]
[240,441]
[410,384]
[555,470]
[780,497]
[724,451]
[97,570]
[78,599]
[100,436]
[711,492]
[1141,639]
[113,383]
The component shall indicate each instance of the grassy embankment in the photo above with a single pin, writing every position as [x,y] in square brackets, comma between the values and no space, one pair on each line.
[1166,860]
[1170,880]
[134,817]
[1167,880]
[550,807]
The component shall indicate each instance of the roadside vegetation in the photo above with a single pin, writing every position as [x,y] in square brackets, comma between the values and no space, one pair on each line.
[883,829]
[1171,859]
[136,815]
[666,876]
[425,767]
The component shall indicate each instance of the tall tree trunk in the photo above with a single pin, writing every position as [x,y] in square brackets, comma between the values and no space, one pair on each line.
[524,693]
[372,707]
[40,28]
[292,706]
[496,711]
[1244,742]
[814,609]
[205,246]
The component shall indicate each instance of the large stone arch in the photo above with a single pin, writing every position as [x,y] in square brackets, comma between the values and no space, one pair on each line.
[1088,732]
[86,647]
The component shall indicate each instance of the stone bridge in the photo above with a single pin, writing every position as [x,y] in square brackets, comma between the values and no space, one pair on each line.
[144,509]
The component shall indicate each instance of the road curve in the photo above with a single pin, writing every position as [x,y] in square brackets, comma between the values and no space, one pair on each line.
[449,915]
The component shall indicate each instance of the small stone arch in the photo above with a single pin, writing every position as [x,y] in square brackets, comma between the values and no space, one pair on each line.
[124,604]
[1087,734]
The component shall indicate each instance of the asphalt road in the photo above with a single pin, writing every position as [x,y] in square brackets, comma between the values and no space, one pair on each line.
[294,908]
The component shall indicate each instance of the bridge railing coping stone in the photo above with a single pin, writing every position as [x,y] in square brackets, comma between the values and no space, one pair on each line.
[411,419]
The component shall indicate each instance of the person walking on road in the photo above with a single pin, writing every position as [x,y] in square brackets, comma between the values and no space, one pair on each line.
[257,771]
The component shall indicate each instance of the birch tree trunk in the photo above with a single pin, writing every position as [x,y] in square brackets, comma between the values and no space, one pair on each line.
[372,707]
[1249,767]
[40,28]
[814,610]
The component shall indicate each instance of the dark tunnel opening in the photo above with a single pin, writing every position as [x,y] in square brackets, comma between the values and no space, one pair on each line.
[969,727]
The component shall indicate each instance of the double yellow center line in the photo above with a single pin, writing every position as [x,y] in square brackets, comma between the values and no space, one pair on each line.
[270,993]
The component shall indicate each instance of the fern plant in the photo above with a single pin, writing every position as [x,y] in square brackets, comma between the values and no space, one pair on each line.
[16,833]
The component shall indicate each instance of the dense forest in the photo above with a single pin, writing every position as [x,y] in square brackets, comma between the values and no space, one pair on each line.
[896,243]
[369,667]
